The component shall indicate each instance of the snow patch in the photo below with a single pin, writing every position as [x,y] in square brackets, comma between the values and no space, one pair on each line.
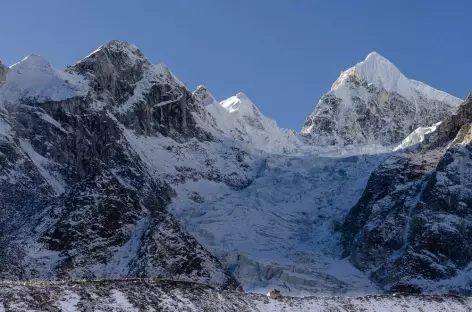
[152,73]
[43,165]
[4,128]
[121,302]
[69,302]
[51,120]
[416,136]
[119,265]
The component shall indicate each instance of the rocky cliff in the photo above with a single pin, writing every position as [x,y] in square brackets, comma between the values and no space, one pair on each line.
[77,200]
[413,225]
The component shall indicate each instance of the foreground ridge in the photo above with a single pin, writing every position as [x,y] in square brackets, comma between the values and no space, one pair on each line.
[170,295]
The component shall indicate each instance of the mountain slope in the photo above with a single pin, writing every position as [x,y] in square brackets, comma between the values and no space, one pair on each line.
[77,200]
[34,80]
[239,118]
[412,225]
[373,102]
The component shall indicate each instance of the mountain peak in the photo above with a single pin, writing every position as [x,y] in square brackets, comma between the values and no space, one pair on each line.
[374,57]
[126,51]
[373,102]
[204,95]
[34,79]
[118,44]
[242,96]
[241,104]
[379,71]
[123,47]
[375,66]
[32,59]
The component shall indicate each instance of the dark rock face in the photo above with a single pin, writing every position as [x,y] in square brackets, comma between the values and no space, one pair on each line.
[119,71]
[3,74]
[452,125]
[76,200]
[413,224]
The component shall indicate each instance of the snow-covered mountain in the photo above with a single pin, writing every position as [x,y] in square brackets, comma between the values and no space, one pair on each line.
[78,199]
[239,118]
[113,168]
[373,102]
[34,80]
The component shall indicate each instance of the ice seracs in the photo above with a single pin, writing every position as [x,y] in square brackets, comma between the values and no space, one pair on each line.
[416,136]
[373,102]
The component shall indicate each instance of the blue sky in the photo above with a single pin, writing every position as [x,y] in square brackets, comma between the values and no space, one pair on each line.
[284,54]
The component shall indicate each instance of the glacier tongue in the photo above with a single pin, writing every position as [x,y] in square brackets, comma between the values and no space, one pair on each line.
[280,229]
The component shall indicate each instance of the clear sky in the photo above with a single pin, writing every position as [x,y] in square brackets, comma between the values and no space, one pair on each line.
[284,54]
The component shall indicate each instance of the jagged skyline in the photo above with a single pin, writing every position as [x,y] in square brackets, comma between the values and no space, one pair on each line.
[260,48]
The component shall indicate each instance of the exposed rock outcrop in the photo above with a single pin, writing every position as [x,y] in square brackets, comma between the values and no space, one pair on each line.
[413,224]
[3,74]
